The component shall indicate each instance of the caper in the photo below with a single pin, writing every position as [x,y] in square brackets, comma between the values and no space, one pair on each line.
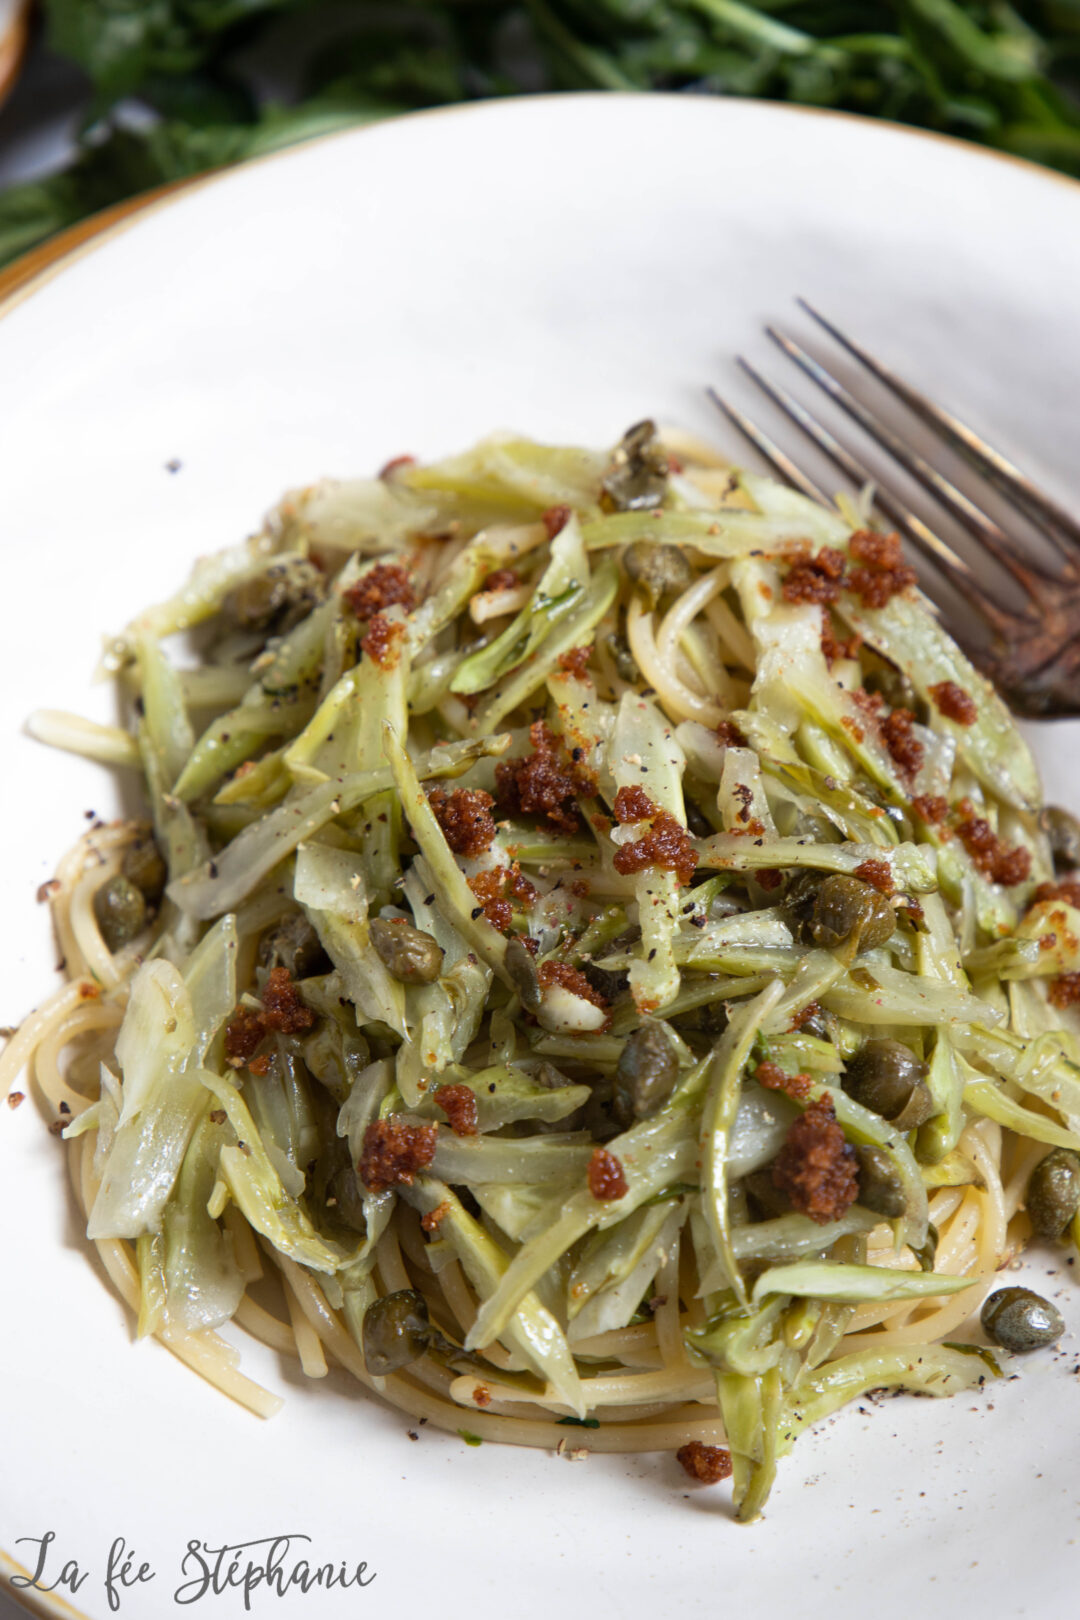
[1020,1320]
[1063,831]
[636,478]
[880,1187]
[284,592]
[768,1200]
[797,903]
[623,659]
[885,1076]
[120,910]
[847,910]
[1053,1192]
[295,945]
[894,686]
[645,1075]
[410,956]
[658,570]
[142,865]
[395,1332]
[522,971]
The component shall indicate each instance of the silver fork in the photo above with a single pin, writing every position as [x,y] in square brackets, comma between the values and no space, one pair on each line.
[1033,652]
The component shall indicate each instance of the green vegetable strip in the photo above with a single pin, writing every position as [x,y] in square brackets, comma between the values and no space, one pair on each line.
[717,1119]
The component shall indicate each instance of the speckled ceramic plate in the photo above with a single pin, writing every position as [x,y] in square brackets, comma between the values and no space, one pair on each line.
[563,266]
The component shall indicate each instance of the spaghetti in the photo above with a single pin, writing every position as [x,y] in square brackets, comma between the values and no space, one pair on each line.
[509,999]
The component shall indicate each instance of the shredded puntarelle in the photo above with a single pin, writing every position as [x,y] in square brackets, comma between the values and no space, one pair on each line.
[595,944]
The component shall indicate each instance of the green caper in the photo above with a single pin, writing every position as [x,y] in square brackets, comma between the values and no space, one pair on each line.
[894,686]
[120,910]
[880,1187]
[522,971]
[1063,831]
[658,570]
[797,903]
[885,1076]
[636,479]
[645,1075]
[768,1200]
[284,592]
[1020,1320]
[623,659]
[295,945]
[1053,1192]
[395,1332]
[849,911]
[410,956]
[142,865]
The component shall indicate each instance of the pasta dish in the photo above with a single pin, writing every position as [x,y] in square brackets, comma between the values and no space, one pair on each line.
[596,966]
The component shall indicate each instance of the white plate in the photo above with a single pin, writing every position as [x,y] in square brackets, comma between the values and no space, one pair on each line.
[563,266]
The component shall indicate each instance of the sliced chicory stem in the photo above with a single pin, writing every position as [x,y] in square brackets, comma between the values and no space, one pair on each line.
[940,1370]
[238,870]
[521,1161]
[911,636]
[235,737]
[354,515]
[150,1264]
[855,1285]
[256,1188]
[938,1137]
[515,473]
[860,820]
[492,548]
[574,630]
[210,581]
[752,1409]
[990,1099]
[627,1270]
[645,753]
[109,745]
[718,1118]
[260,788]
[913,866]
[557,593]
[505,1095]
[733,1341]
[816,973]
[728,533]
[653,1154]
[456,899]
[164,733]
[793,1237]
[331,886]
[885,995]
[169,1028]
[1041,1065]
[532,1331]
[741,796]
[203,1280]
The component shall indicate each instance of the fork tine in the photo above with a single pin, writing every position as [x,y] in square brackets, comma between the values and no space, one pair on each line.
[942,555]
[996,468]
[993,538]
[771,452]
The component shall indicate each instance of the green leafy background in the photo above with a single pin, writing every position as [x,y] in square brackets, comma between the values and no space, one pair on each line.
[181,86]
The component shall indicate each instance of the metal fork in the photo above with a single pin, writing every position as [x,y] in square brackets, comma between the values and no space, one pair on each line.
[1033,652]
